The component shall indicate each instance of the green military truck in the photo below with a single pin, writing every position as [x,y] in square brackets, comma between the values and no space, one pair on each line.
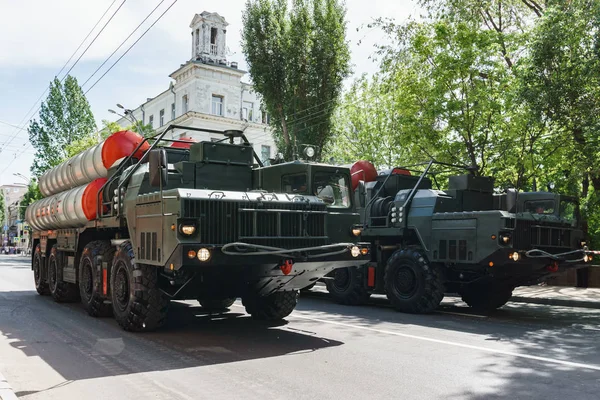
[133,223]
[466,240]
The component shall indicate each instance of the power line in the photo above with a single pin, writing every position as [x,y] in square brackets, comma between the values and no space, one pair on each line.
[25,118]
[122,43]
[94,39]
[130,47]
[119,59]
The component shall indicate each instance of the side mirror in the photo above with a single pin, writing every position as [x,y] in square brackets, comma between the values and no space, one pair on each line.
[511,200]
[158,167]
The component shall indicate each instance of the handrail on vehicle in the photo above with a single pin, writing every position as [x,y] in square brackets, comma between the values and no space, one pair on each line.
[157,139]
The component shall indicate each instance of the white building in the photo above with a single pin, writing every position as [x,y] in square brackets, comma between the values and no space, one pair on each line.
[207,92]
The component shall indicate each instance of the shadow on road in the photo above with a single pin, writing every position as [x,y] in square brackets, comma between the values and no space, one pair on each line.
[554,334]
[81,347]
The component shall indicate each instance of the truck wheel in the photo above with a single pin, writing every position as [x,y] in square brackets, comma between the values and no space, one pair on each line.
[412,284]
[272,307]
[348,286]
[39,275]
[137,302]
[62,292]
[487,297]
[216,304]
[90,278]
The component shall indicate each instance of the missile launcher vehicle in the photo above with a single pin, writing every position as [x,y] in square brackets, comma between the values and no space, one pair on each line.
[132,223]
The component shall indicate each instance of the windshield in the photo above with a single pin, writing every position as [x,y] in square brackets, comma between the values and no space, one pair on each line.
[568,210]
[540,207]
[296,183]
[332,189]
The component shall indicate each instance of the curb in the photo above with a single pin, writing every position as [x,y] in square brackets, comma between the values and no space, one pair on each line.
[556,302]
[6,391]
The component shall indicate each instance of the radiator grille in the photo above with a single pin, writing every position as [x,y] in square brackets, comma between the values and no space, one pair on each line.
[289,225]
[531,234]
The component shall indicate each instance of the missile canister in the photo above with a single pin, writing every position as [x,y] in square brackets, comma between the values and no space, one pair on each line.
[91,163]
[69,209]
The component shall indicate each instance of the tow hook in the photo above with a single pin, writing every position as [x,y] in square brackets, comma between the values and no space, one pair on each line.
[552,267]
[287,266]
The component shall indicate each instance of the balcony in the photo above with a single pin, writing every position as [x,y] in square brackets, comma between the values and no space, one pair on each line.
[213,49]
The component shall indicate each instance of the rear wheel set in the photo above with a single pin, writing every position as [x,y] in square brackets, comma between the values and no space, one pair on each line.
[90,278]
[137,302]
[61,291]
[412,284]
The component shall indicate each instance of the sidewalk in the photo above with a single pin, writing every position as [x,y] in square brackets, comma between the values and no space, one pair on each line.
[558,296]
[6,392]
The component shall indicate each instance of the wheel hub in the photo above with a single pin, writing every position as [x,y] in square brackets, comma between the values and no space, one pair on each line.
[88,282]
[341,279]
[52,275]
[122,288]
[406,282]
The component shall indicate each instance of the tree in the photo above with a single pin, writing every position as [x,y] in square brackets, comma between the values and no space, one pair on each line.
[64,118]
[33,194]
[298,59]
[108,128]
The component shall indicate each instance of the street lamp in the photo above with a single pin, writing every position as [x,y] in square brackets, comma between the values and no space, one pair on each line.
[26,179]
[128,113]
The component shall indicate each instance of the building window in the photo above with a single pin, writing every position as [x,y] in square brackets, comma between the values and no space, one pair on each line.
[184,104]
[247,111]
[172,111]
[197,37]
[217,105]
[265,154]
[161,117]
[213,41]
[151,121]
[265,118]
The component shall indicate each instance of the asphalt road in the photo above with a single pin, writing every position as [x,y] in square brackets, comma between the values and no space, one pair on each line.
[324,351]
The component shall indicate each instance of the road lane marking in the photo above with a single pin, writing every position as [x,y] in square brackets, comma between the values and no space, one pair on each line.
[462,314]
[447,342]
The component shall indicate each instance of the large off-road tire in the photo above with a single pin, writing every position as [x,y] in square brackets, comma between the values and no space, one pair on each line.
[61,291]
[216,304]
[487,298]
[348,286]
[273,307]
[39,272]
[138,303]
[412,284]
[90,278]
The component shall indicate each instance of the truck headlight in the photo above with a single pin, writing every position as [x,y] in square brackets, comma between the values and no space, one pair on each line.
[505,238]
[203,254]
[356,231]
[515,256]
[355,251]
[187,230]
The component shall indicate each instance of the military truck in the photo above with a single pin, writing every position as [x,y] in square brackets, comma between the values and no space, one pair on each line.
[132,223]
[467,239]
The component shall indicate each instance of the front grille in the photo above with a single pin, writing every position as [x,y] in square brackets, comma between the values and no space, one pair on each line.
[288,225]
[532,234]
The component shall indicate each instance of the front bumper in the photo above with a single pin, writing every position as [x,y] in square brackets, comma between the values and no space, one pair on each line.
[267,272]
[536,263]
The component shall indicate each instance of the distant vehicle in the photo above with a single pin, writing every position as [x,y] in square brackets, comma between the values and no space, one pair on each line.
[130,224]
[466,240]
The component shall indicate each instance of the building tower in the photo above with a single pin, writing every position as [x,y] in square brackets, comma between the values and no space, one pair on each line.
[209,38]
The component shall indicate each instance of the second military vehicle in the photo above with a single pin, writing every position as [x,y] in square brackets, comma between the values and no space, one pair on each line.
[466,239]
[130,224]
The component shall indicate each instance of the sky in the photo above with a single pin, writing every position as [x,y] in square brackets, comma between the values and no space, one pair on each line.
[39,36]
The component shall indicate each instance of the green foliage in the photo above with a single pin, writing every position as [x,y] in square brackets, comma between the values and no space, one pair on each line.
[33,193]
[64,118]
[511,86]
[2,205]
[297,58]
